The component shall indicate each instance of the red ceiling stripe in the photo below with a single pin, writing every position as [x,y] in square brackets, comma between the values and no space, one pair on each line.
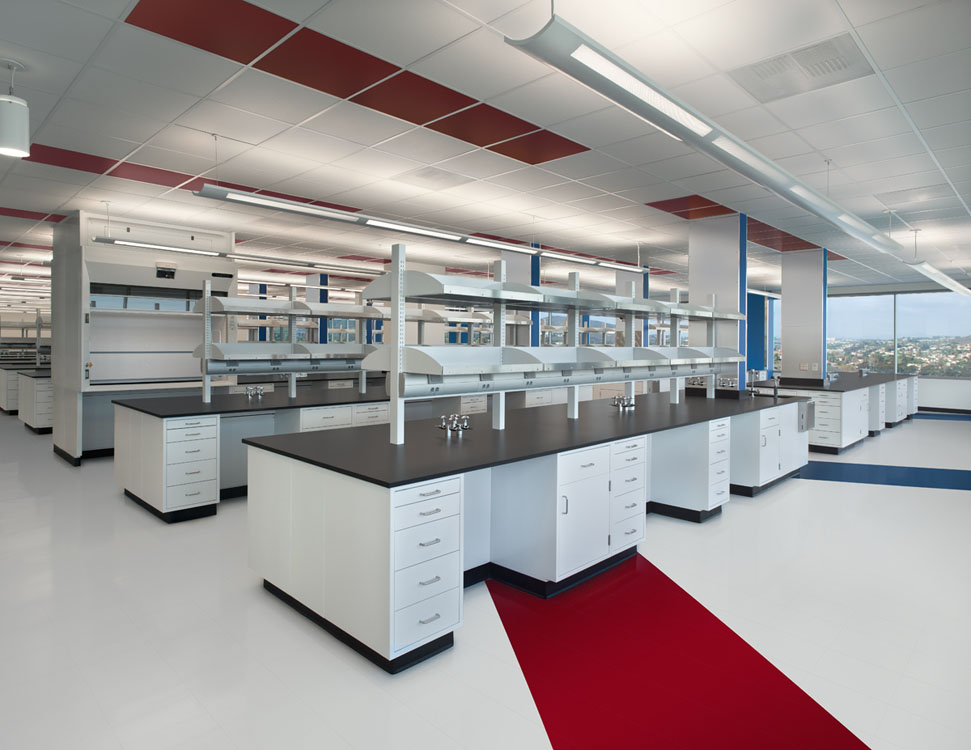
[704,212]
[25,245]
[498,238]
[659,272]
[338,206]
[539,147]
[365,258]
[675,205]
[482,125]
[18,213]
[231,28]
[150,175]
[768,236]
[62,157]
[413,98]
[830,255]
[325,64]
[198,182]
[284,196]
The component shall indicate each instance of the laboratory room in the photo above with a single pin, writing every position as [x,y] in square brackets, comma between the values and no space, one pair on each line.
[465,374]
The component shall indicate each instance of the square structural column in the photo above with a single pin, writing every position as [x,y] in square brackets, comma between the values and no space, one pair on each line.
[803,317]
[717,270]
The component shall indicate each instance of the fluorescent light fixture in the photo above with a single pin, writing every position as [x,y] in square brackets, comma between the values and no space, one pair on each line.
[614,73]
[280,204]
[152,246]
[622,267]
[747,156]
[856,223]
[812,197]
[571,258]
[935,274]
[412,230]
[501,245]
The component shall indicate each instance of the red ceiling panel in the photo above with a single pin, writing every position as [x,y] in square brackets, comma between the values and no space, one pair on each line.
[538,147]
[151,175]
[17,213]
[325,64]
[197,183]
[482,125]
[413,98]
[25,245]
[768,236]
[691,207]
[284,196]
[231,28]
[498,238]
[830,255]
[62,157]
[659,272]
[365,258]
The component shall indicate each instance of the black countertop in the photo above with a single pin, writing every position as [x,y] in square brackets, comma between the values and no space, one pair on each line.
[428,452]
[27,364]
[36,372]
[165,407]
[847,381]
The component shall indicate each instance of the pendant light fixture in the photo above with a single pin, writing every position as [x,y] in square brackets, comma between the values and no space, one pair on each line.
[14,118]
[935,274]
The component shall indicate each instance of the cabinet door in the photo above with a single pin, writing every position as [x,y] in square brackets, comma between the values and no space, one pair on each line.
[770,454]
[582,524]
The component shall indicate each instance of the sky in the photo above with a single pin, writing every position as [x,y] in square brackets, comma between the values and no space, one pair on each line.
[918,315]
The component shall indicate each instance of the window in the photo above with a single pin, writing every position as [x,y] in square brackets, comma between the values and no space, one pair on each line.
[934,334]
[859,333]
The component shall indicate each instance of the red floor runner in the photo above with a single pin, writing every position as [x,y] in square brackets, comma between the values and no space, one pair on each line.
[630,660]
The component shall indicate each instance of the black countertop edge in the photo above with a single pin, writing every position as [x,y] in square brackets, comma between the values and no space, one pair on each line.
[31,365]
[365,453]
[167,407]
[847,381]
[36,372]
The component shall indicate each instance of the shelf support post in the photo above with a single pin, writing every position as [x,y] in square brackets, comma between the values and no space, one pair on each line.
[674,334]
[397,343]
[292,335]
[497,401]
[629,320]
[206,340]
[573,339]
[711,340]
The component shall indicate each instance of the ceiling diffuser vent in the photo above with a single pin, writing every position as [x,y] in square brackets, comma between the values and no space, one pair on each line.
[820,65]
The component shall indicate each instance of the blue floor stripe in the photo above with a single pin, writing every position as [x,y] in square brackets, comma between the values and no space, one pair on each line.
[906,476]
[941,415]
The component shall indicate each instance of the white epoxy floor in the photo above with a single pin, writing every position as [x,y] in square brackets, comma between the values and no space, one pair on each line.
[932,443]
[118,631]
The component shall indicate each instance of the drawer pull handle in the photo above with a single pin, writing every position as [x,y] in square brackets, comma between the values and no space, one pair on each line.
[719,473]
[430,581]
[632,458]
[431,619]
[632,479]
[432,543]
[632,531]
[197,450]
[193,494]
[430,512]
[631,445]
[720,492]
[430,494]
[190,473]
[587,466]
[192,424]
[720,452]
[192,434]
[632,505]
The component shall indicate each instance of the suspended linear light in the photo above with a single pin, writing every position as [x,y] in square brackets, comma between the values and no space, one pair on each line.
[500,245]
[750,157]
[621,267]
[280,204]
[152,246]
[14,119]
[412,229]
[935,274]
[571,258]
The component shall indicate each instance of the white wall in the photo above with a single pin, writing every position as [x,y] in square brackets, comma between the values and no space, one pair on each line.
[944,393]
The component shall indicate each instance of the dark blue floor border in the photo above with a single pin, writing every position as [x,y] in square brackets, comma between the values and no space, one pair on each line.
[941,415]
[905,476]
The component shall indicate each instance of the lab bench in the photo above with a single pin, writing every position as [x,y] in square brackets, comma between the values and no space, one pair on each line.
[36,399]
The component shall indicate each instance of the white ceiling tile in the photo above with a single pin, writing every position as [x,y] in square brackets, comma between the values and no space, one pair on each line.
[715,95]
[927,31]
[102,87]
[608,125]
[481,164]
[229,122]
[400,33]
[156,59]
[878,124]
[652,193]
[198,143]
[377,163]
[737,194]
[323,182]
[704,183]
[318,147]
[295,10]
[622,179]
[377,194]
[53,190]
[585,164]
[891,167]
[129,187]
[833,102]
[425,146]
[941,110]
[176,161]
[43,71]
[600,20]
[665,59]
[479,191]
[553,98]
[750,123]
[359,124]
[487,10]
[47,172]
[954,157]
[518,202]
[260,167]
[85,141]
[734,34]
[53,27]
[645,149]
[29,201]
[683,166]
[569,191]
[480,65]
[84,116]
[949,136]
[264,94]
[676,11]
[528,178]
[876,150]
[40,103]
[602,203]
[931,77]
[781,145]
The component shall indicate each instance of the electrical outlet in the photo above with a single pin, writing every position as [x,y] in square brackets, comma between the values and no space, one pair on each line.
[803,366]
[815,366]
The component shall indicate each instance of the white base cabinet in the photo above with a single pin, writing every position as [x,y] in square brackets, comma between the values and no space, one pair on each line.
[690,467]
[766,445]
[9,390]
[382,565]
[878,408]
[36,402]
[897,401]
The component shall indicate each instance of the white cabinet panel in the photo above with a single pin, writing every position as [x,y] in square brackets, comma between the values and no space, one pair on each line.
[420,543]
[427,579]
[583,517]
[426,618]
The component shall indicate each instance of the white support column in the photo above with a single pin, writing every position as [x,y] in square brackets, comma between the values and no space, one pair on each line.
[629,321]
[397,342]
[497,401]
[573,339]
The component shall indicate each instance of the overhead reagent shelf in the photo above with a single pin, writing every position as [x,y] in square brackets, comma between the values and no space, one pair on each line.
[263,358]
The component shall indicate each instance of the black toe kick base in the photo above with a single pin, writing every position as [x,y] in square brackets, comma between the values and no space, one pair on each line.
[175,516]
[10,412]
[391,666]
[231,492]
[683,514]
[39,430]
[73,460]
[831,449]
[746,491]
[874,433]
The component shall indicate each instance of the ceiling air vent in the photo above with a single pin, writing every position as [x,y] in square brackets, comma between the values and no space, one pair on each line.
[820,65]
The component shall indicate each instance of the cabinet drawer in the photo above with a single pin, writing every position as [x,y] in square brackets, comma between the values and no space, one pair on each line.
[192,450]
[628,479]
[378,408]
[627,532]
[716,436]
[718,494]
[827,412]
[578,465]
[718,473]
[427,618]
[717,425]
[374,417]
[191,494]
[719,452]
[190,433]
[183,423]
[421,543]
[624,446]
[768,418]
[538,398]
[827,425]
[417,493]
[427,579]
[194,471]
[326,418]
[630,458]
[432,509]
[474,404]
[824,438]
[627,506]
